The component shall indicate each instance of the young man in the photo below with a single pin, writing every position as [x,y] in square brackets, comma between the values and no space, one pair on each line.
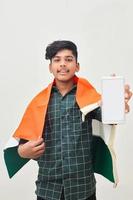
[64,152]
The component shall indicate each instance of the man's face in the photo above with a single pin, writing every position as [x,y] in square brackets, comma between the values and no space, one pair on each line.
[63,65]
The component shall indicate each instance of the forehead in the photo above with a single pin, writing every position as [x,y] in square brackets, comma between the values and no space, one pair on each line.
[64,53]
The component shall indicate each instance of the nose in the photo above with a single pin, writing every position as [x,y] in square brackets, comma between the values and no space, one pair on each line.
[62,63]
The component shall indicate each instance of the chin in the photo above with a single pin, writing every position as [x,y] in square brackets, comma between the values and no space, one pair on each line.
[64,79]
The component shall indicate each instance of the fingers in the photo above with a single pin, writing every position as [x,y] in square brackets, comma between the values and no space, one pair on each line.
[128,93]
[37,142]
[127,108]
[38,150]
[38,154]
[127,87]
[40,147]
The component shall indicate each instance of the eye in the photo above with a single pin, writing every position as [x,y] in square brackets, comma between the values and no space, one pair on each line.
[69,59]
[56,60]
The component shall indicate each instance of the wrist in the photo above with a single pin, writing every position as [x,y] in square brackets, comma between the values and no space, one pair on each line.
[20,151]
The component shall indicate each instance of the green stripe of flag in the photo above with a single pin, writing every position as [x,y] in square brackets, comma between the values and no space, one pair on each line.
[13,161]
[102,159]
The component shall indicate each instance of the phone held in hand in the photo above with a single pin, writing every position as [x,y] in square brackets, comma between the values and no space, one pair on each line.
[113,105]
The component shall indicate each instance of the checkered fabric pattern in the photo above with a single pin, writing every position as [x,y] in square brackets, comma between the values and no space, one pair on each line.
[67,161]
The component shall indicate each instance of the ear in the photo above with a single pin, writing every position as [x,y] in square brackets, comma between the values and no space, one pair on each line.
[50,68]
[77,67]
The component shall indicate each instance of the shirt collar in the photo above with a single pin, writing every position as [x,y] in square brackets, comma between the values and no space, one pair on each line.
[75,81]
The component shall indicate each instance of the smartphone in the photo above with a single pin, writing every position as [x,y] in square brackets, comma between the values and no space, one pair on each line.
[113,105]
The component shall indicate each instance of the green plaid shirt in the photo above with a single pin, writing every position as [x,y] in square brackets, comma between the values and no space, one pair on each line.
[67,160]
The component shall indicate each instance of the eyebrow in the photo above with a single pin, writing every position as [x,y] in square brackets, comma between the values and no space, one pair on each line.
[64,56]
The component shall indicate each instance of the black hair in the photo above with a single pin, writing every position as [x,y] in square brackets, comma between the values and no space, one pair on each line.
[56,46]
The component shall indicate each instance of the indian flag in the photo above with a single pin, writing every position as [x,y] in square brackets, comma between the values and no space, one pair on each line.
[31,126]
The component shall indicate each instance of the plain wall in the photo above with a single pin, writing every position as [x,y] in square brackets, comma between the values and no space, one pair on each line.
[102,30]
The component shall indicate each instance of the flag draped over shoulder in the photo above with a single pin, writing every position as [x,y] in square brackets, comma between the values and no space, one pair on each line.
[31,127]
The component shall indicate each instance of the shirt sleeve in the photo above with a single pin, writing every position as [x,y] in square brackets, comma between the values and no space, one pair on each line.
[96,114]
[22,141]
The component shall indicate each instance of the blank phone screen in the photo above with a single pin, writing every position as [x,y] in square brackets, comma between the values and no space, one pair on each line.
[113,106]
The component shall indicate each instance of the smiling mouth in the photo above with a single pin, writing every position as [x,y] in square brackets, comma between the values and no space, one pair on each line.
[63,71]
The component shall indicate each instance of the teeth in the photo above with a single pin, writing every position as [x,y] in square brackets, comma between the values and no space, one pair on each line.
[63,71]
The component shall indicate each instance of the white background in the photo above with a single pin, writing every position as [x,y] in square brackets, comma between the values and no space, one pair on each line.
[103,32]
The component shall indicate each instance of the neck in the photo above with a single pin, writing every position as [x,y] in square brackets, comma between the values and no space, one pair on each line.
[64,87]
